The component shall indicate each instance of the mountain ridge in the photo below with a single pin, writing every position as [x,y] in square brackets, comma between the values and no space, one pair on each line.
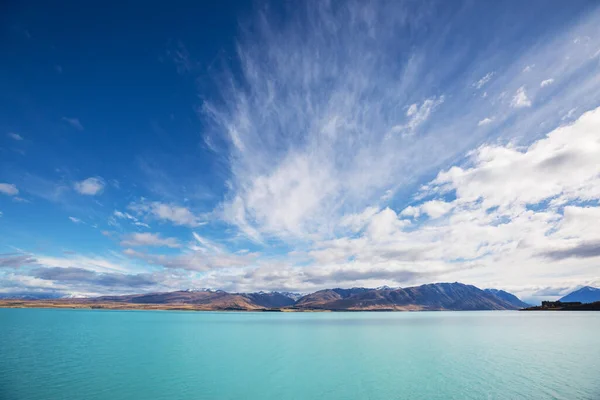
[429,297]
[586,294]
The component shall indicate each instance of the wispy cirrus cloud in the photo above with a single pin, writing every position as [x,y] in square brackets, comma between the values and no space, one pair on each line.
[149,240]
[15,136]
[175,214]
[73,122]
[481,83]
[305,153]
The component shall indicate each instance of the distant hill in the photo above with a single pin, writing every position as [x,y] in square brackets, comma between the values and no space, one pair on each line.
[213,299]
[586,294]
[509,297]
[437,296]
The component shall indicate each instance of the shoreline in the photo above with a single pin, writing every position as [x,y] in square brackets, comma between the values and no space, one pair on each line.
[119,306]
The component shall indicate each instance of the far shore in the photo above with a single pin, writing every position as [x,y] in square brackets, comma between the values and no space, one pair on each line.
[93,305]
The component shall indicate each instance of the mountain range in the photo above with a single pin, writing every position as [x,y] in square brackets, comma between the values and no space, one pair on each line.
[430,297]
[436,296]
[586,294]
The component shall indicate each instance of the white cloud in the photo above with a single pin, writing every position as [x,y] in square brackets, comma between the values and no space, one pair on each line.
[569,115]
[177,215]
[74,122]
[306,155]
[8,189]
[383,224]
[547,82]
[436,208]
[485,121]
[90,262]
[494,233]
[520,99]
[412,110]
[418,115]
[149,239]
[411,211]
[562,164]
[355,222]
[204,256]
[482,82]
[124,215]
[387,195]
[529,68]
[75,220]
[90,186]
[15,136]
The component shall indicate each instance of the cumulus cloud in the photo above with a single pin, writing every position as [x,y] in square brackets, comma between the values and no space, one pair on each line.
[9,189]
[90,186]
[149,239]
[560,166]
[436,208]
[512,218]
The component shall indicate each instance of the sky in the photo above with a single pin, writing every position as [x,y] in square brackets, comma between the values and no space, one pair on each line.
[297,146]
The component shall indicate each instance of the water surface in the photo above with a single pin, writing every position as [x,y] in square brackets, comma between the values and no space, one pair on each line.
[50,354]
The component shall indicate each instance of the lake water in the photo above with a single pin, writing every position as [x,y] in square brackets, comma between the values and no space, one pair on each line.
[112,355]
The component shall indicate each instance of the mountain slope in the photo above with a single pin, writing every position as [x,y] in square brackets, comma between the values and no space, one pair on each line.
[586,294]
[214,299]
[328,296]
[509,297]
[270,300]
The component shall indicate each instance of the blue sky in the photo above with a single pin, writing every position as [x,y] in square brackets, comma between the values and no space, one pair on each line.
[298,146]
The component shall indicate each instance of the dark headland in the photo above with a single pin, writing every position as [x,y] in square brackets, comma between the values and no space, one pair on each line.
[565,306]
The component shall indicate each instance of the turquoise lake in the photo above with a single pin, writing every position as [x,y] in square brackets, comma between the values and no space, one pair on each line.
[50,354]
